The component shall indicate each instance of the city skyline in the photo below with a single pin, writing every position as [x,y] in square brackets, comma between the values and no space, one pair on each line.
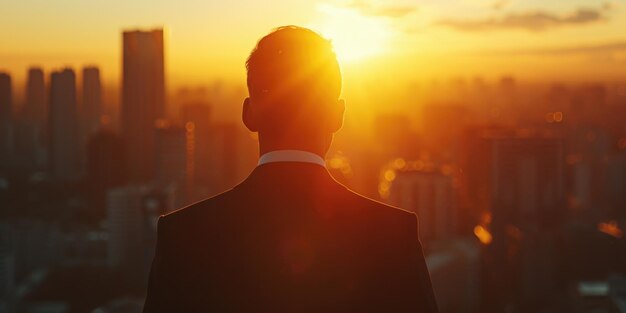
[499,123]
[529,39]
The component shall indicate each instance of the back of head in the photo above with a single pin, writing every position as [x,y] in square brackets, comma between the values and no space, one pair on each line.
[293,80]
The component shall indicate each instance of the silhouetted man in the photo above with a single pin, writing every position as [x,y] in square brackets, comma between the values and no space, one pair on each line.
[290,238]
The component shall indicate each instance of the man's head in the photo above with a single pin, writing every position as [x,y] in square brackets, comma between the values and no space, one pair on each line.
[294,83]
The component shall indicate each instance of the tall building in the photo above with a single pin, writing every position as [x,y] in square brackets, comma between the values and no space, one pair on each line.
[124,225]
[232,156]
[527,180]
[174,152]
[196,116]
[429,194]
[31,133]
[91,100]
[143,98]
[106,168]
[6,122]
[106,159]
[132,214]
[35,106]
[515,177]
[63,120]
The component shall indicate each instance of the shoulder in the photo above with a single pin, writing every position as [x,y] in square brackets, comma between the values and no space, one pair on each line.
[199,211]
[378,210]
[382,226]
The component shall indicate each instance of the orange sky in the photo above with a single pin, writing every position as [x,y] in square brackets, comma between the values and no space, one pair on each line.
[209,40]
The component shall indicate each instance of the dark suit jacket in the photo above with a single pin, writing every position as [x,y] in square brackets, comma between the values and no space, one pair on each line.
[289,239]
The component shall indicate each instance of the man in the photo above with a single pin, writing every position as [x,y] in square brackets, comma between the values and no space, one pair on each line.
[290,238]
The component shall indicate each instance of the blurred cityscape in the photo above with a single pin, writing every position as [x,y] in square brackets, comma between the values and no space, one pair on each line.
[520,187]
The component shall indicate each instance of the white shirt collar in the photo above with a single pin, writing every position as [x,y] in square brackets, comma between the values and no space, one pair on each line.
[291,156]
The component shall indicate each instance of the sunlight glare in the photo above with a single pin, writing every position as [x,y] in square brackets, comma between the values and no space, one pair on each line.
[354,36]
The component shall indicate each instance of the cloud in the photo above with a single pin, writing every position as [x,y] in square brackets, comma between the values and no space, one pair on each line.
[610,47]
[609,5]
[532,21]
[613,52]
[393,11]
[500,4]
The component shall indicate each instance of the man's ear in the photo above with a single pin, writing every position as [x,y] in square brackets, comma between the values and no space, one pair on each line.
[336,116]
[248,116]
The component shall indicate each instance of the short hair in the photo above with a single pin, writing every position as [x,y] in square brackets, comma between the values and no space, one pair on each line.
[293,62]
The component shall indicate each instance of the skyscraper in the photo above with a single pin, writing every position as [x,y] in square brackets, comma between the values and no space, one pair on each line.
[174,152]
[64,140]
[106,167]
[6,121]
[106,159]
[431,195]
[132,213]
[31,133]
[35,106]
[197,117]
[516,178]
[143,98]
[91,100]
[124,224]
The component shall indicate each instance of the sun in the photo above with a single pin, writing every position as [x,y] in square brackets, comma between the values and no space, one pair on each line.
[354,36]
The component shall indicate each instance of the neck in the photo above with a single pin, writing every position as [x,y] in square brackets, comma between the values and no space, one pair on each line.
[319,147]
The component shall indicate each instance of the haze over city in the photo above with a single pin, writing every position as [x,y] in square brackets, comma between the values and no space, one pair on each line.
[206,41]
[499,123]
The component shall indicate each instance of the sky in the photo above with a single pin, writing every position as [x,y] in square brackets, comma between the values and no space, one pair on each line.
[418,39]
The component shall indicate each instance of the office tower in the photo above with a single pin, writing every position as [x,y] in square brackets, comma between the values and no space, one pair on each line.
[124,224]
[429,194]
[63,120]
[232,157]
[174,149]
[31,133]
[516,178]
[92,100]
[132,214]
[90,109]
[528,201]
[106,159]
[171,154]
[143,98]
[527,180]
[35,106]
[106,168]
[6,122]
[516,174]
[198,114]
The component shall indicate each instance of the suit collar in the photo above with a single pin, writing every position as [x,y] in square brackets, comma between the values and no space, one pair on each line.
[299,156]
